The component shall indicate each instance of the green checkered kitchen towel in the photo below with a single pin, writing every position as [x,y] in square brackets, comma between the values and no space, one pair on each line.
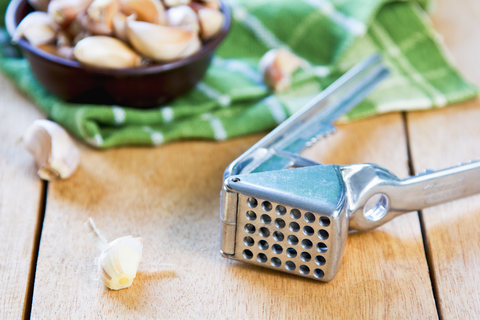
[332,35]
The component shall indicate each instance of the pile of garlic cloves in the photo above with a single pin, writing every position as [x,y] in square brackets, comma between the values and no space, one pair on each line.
[121,33]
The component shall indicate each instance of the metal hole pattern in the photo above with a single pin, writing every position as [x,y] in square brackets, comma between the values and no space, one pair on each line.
[282,238]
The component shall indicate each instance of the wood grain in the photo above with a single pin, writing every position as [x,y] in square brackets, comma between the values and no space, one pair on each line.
[20,200]
[170,197]
[443,138]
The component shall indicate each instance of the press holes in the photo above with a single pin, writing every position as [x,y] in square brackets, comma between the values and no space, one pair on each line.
[248,241]
[304,269]
[305,256]
[309,217]
[293,240]
[308,231]
[322,247]
[247,254]
[307,244]
[263,245]
[249,228]
[265,218]
[290,266]
[252,202]
[295,214]
[280,223]
[251,215]
[266,206]
[318,273]
[277,249]
[264,232]
[278,236]
[276,262]
[262,258]
[320,260]
[294,227]
[323,234]
[280,210]
[324,221]
[291,253]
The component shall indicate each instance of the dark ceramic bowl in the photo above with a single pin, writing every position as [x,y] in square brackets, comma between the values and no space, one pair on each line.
[136,87]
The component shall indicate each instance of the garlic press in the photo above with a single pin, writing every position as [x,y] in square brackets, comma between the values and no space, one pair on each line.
[285,212]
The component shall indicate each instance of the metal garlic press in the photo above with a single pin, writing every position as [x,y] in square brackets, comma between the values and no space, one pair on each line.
[288,213]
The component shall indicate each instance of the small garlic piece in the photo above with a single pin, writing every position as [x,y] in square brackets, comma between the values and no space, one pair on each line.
[151,11]
[64,11]
[103,11]
[38,28]
[118,262]
[105,52]
[39,5]
[174,3]
[162,43]
[277,67]
[211,22]
[56,155]
[183,16]
[120,26]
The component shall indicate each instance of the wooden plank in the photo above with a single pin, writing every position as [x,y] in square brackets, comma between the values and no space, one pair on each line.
[443,138]
[170,196]
[20,203]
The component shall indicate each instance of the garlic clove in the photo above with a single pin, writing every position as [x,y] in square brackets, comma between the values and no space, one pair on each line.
[39,5]
[97,27]
[162,43]
[54,151]
[174,3]
[64,11]
[151,11]
[212,4]
[103,11]
[120,26]
[211,22]
[183,16]
[105,52]
[37,27]
[277,67]
[119,260]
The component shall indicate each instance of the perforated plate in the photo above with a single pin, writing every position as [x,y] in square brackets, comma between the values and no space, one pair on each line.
[284,238]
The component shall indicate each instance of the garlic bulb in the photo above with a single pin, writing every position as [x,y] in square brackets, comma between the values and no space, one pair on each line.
[64,11]
[211,22]
[277,67]
[146,10]
[37,27]
[118,262]
[162,43]
[105,52]
[39,5]
[174,3]
[56,155]
[183,16]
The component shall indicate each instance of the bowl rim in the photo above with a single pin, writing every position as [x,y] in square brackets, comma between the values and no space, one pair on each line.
[208,47]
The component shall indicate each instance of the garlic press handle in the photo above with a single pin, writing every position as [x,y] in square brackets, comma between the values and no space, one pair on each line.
[376,196]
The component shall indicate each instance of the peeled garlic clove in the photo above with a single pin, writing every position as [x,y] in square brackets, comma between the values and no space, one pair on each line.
[103,11]
[106,52]
[211,22]
[120,26]
[56,155]
[183,16]
[212,4]
[162,43]
[119,260]
[39,5]
[151,11]
[97,27]
[277,67]
[64,11]
[37,27]
[174,3]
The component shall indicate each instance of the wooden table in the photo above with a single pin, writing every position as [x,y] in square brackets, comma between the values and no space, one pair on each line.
[423,265]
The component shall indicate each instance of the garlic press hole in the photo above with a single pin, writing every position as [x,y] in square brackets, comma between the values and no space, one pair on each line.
[263,245]
[290,266]
[322,247]
[276,262]
[277,249]
[295,214]
[264,232]
[305,256]
[293,240]
[324,221]
[318,273]
[320,260]
[252,202]
[278,236]
[247,254]
[308,231]
[251,215]
[248,241]
[265,218]
[323,234]
[294,227]
[307,244]
[309,217]
[304,269]
[280,210]
[249,228]
[262,258]
[291,253]
[376,207]
[266,206]
[280,223]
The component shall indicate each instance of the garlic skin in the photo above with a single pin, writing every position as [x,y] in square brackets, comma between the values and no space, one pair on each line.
[54,151]
[151,11]
[183,16]
[162,43]
[64,11]
[37,28]
[174,3]
[105,52]
[211,22]
[277,67]
[119,260]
